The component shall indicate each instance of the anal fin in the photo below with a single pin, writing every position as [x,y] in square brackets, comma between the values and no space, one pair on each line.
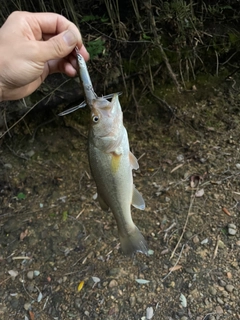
[137,199]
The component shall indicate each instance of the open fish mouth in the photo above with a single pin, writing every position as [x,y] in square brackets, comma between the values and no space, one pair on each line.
[83,104]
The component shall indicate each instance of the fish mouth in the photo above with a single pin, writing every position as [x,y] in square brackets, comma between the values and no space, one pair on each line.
[83,104]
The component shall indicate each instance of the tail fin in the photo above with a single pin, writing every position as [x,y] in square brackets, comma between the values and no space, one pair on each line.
[133,242]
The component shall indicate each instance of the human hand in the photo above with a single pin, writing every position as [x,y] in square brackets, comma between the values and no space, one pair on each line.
[32,46]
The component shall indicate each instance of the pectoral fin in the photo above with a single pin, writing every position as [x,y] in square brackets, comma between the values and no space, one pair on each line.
[133,161]
[102,203]
[137,199]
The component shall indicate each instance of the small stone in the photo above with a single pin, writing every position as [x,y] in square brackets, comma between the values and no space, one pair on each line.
[219,310]
[203,160]
[180,158]
[36,273]
[30,275]
[225,294]
[132,301]
[10,226]
[139,299]
[205,241]
[232,232]
[184,318]
[212,291]
[188,235]
[78,303]
[27,306]
[113,283]
[221,244]
[31,287]
[229,288]
[30,153]
[222,283]
[190,270]
[195,239]
[219,300]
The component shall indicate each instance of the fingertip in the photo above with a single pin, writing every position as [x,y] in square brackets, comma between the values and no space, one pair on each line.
[69,70]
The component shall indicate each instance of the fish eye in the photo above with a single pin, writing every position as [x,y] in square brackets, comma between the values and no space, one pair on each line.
[95,118]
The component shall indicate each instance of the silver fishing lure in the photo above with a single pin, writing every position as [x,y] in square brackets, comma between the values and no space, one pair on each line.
[86,83]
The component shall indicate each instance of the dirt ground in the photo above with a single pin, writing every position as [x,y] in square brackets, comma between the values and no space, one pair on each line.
[59,253]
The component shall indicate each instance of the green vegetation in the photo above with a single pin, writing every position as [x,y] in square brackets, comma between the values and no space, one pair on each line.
[21,196]
[181,38]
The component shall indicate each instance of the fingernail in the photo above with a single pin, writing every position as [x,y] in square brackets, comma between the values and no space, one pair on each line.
[70,38]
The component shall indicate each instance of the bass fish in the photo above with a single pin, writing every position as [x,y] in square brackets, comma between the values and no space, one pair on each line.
[112,162]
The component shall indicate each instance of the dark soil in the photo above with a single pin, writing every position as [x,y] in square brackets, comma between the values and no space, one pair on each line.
[54,236]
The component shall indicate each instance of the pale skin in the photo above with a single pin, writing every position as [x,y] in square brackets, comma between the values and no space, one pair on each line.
[32,46]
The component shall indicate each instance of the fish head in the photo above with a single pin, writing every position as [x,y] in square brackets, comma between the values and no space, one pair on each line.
[106,117]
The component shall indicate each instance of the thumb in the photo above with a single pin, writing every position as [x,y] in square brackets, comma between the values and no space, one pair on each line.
[59,46]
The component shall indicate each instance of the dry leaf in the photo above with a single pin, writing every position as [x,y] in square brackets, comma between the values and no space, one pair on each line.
[183,300]
[23,234]
[96,279]
[142,281]
[175,268]
[31,315]
[40,296]
[225,210]
[13,273]
[80,286]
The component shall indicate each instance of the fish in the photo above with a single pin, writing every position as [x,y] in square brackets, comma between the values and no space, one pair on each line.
[111,163]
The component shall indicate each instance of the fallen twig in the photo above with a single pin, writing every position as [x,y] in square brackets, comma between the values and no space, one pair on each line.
[173,268]
[185,225]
